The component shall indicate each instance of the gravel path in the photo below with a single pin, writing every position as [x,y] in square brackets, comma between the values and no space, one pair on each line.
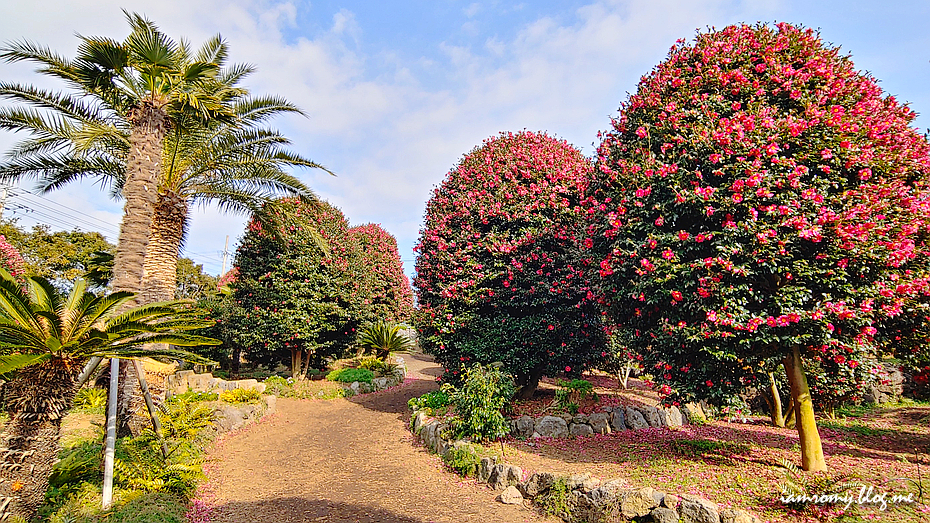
[347,461]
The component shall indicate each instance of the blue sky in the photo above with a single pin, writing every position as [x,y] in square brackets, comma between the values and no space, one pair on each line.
[397,92]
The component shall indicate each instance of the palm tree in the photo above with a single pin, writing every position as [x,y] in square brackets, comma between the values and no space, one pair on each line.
[228,160]
[152,84]
[45,338]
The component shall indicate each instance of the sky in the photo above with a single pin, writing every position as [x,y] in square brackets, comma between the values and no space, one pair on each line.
[396,92]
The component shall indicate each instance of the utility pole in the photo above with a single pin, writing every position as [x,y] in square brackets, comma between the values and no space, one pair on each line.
[4,194]
[225,253]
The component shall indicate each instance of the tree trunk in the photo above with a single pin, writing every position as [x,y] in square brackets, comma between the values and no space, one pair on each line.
[778,418]
[529,383]
[37,399]
[143,171]
[160,269]
[812,459]
[296,361]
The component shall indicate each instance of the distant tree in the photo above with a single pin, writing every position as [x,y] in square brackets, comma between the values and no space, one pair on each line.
[497,275]
[295,297]
[389,296]
[192,282]
[60,256]
[11,260]
[759,203]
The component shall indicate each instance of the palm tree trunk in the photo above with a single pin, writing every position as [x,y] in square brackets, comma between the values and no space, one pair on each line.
[38,399]
[143,171]
[160,269]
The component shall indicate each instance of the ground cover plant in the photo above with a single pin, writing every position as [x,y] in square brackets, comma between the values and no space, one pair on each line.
[760,203]
[871,445]
[494,281]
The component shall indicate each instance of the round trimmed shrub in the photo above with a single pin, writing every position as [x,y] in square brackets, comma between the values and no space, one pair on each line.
[497,274]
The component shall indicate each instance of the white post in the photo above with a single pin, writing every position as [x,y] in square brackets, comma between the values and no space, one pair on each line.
[110,449]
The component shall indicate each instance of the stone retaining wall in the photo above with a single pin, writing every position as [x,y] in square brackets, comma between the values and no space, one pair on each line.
[229,417]
[610,420]
[186,380]
[380,383]
[588,498]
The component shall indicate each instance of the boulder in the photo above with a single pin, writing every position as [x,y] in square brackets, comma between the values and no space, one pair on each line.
[576,481]
[664,515]
[737,516]
[485,467]
[551,427]
[635,419]
[271,403]
[523,427]
[694,509]
[671,501]
[379,383]
[537,484]
[599,423]
[504,475]
[639,502]
[694,413]
[617,420]
[511,496]
[229,418]
[580,429]
[651,414]
[672,416]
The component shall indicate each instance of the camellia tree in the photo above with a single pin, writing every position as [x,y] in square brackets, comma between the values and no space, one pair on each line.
[759,203]
[294,292]
[495,280]
[390,297]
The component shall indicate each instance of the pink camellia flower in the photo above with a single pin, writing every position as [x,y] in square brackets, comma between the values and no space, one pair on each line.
[603,354]
[641,132]
[552,327]
[568,369]
[676,296]
[709,383]
[682,235]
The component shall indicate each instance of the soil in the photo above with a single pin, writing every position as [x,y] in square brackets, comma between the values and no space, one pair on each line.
[347,460]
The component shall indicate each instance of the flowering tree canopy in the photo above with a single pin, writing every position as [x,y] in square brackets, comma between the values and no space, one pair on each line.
[12,260]
[495,278]
[760,202]
[388,293]
[295,292]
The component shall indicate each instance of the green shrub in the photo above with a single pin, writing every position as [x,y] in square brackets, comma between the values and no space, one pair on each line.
[556,501]
[374,364]
[241,396]
[192,396]
[383,338]
[571,393]
[90,399]
[436,399]
[351,375]
[279,386]
[464,460]
[478,402]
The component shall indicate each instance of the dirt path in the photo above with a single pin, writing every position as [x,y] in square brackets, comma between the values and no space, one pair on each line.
[347,461]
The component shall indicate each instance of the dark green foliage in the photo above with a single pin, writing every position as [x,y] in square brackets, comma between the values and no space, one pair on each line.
[383,338]
[351,375]
[295,292]
[572,393]
[478,401]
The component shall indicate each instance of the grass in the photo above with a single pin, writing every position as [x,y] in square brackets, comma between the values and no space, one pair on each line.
[854,427]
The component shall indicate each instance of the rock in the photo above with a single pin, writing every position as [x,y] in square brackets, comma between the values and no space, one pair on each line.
[537,484]
[355,386]
[379,383]
[635,419]
[575,481]
[671,501]
[590,484]
[639,502]
[737,516]
[503,476]
[485,467]
[511,496]
[417,422]
[693,413]
[580,429]
[694,509]
[599,423]
[617,421]
[523,427]
[664,515]
[652,416]
[672,416]
[271,404]
[247,384]
[551,427]
[229,418]
[579,418]
[199,382]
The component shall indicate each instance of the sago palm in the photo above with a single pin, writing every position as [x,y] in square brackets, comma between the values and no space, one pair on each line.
[383,338]
[45,338]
